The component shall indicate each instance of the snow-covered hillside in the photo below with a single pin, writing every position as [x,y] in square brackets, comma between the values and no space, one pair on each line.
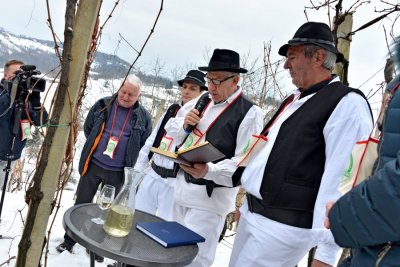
[42,54]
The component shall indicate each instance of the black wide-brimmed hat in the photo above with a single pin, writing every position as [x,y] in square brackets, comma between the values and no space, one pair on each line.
[196,77]
[224,60]
[316,33]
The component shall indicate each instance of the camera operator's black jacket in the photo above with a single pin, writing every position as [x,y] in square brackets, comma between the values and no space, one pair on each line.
[7,123]
[95,124]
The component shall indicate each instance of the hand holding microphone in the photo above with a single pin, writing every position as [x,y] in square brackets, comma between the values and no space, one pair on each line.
[193,117]
[191,120]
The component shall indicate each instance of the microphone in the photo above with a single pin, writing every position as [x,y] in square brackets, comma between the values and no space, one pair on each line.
[200,106]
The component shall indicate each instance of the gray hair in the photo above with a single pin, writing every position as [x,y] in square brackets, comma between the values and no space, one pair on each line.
[133,79]
[330,59]
[232,73]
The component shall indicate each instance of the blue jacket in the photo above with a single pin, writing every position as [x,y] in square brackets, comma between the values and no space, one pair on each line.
[368,217]
[94,126]
[6,125]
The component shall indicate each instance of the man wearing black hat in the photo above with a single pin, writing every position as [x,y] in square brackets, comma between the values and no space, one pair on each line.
[204,194]
[155,194]
[298,170]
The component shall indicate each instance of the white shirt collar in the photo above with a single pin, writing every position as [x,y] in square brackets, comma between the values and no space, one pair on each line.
[231,97]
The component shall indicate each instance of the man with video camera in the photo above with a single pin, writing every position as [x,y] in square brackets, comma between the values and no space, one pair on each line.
[11,104]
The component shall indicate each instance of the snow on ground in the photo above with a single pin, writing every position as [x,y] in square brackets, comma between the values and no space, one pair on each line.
[11,226]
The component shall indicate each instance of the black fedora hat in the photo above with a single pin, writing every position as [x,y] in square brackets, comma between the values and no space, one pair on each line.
[224,60]
[316,33]
[196,77]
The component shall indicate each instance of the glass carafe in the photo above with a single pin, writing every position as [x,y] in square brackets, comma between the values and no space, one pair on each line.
[120,215]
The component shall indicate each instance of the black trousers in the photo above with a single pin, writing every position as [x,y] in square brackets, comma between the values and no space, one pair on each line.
[89,183]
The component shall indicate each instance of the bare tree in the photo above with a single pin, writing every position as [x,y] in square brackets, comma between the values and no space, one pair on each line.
[77,34]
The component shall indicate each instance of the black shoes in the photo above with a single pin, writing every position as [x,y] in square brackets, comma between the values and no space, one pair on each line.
[64,246]
[115,264]
[97,257]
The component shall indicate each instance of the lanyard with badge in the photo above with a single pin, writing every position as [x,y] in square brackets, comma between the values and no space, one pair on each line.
[166,141]
[114,140]
[25,130]
[196,135]
[257,142]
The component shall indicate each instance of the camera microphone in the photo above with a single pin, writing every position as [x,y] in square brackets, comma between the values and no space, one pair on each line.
[200,106]
[28,67]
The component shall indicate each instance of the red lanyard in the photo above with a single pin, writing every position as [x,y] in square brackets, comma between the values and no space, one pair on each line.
[125,121]
[287,105]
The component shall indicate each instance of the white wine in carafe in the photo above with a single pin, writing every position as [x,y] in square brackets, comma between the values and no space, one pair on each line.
[119,221]
[120,216]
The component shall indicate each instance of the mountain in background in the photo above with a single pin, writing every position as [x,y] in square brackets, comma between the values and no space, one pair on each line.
[41,53]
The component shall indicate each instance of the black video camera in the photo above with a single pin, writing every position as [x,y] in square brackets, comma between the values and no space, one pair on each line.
[25,81]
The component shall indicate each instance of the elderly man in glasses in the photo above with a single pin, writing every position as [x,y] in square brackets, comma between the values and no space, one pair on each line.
[204,193]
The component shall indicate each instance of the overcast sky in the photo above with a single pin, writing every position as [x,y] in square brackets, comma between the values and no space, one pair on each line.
[187,29]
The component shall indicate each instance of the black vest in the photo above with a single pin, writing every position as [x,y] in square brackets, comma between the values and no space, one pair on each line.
[296,163]
[223,134]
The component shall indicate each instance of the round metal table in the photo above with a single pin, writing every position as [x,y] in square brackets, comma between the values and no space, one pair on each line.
[135,249]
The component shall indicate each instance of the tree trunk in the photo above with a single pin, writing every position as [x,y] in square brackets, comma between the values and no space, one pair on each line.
[342,69]
[77,36]
[159,113]
[343,45]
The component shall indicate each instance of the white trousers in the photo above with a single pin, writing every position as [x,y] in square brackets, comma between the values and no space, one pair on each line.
[205,223]
[275,245]
[155,196]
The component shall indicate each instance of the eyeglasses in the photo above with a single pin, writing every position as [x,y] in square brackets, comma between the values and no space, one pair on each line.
[218,82]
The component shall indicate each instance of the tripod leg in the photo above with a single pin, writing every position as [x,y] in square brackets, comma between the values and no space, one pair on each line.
[7,171]
[19,107]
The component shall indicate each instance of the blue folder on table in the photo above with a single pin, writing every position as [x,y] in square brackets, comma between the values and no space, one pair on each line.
[170,234]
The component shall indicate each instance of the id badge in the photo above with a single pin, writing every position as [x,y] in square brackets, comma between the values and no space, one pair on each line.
[25,130]
[253,146]
[192,139]
[166,142]
[111,146]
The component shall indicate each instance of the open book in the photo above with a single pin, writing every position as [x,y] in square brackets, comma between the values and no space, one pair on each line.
[201,153]
[169,234]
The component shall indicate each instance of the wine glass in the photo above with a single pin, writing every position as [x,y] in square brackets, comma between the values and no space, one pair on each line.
[104,201]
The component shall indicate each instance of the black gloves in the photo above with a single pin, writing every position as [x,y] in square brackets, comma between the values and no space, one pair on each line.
[34,98]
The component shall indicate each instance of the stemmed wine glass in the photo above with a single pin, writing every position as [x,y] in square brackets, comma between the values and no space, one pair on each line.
[104,201]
